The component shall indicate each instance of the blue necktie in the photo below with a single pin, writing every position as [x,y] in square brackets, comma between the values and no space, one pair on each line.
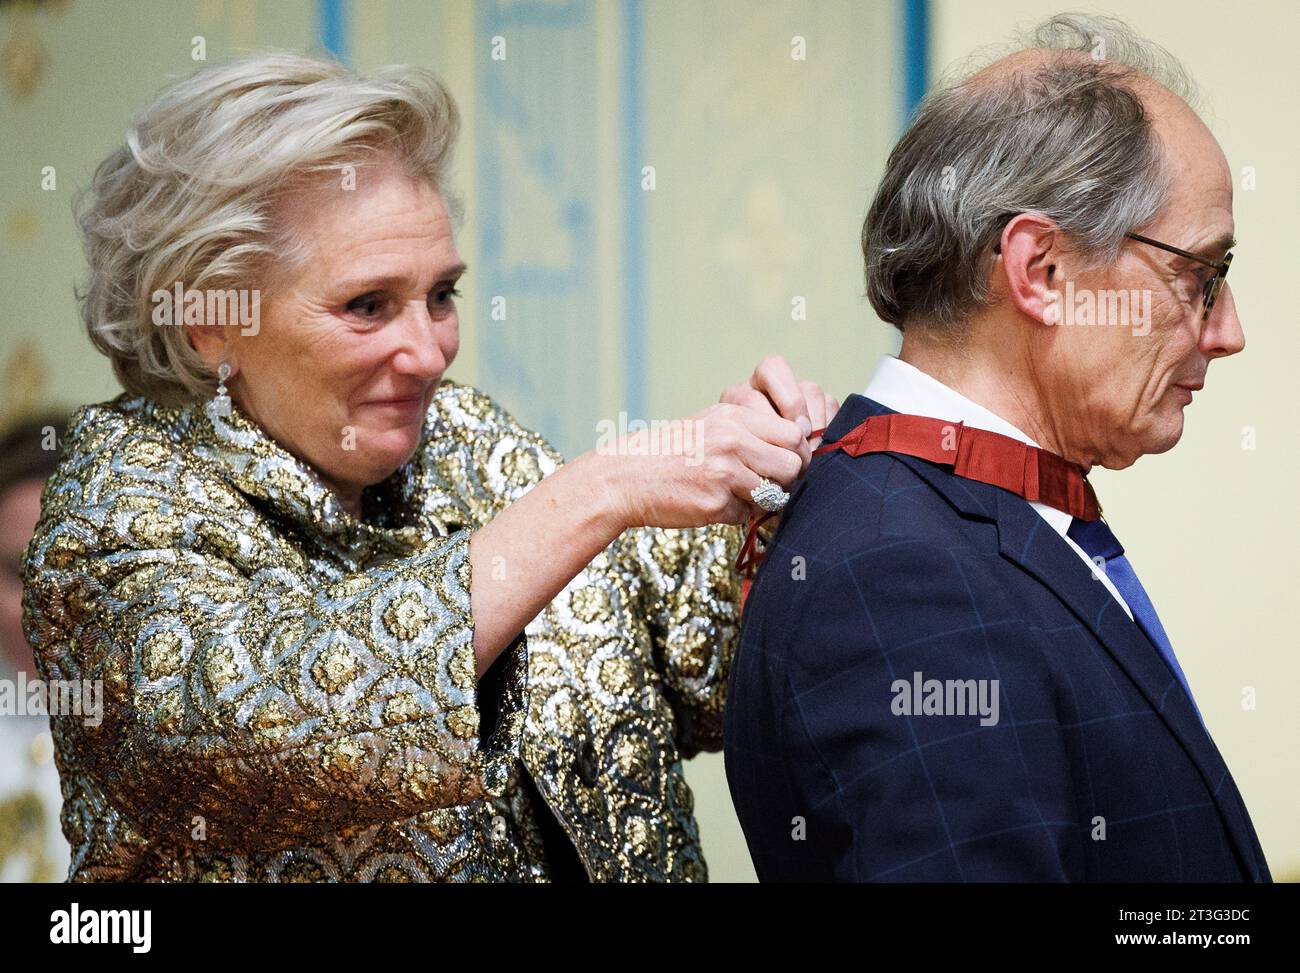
[1097,540]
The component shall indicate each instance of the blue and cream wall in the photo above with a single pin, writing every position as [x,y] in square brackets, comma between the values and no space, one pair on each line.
[653,191]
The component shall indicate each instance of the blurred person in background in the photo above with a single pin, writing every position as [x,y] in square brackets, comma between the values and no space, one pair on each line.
[32,847]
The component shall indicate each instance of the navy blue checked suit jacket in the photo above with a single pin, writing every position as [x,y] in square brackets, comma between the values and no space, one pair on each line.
[907,568]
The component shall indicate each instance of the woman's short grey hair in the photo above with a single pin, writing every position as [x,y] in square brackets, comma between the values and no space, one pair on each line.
[190,197]
[1067,137]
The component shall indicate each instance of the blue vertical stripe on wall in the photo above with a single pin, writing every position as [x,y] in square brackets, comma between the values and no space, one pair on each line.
[536,156]
[916,54]
[332,26]
[636,362]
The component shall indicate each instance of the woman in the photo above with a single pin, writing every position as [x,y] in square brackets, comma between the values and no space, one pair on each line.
[305,592]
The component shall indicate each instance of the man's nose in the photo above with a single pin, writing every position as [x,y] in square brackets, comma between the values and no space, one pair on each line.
[1222,334]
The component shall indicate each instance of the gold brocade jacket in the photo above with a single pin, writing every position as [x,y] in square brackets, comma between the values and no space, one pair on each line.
[289,692]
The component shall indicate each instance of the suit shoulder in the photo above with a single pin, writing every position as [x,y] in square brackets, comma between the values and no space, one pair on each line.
[851,505]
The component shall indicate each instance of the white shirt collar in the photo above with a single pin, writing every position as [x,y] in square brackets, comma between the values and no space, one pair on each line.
[905,388]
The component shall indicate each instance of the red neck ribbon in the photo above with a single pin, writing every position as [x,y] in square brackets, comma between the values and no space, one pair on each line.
[976,454]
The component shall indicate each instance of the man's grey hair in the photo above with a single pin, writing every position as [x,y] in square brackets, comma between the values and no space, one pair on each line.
[191,195]
[1067,137]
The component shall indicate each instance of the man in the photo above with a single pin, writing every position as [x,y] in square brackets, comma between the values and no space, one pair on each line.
[948,669]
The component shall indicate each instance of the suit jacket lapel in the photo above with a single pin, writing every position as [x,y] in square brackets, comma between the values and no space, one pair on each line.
[1029,541]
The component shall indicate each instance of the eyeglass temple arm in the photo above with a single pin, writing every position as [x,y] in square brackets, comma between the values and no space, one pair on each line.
[1173,249]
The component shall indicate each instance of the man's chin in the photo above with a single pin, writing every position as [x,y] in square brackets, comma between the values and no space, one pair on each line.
[1166,436]
[1158,440]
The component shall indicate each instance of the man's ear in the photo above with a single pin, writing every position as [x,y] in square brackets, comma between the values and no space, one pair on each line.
[1029,250]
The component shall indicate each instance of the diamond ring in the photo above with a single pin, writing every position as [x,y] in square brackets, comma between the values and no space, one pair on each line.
[769,496]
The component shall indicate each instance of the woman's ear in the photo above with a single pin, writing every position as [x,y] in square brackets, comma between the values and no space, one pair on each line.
[213,344]
[1029,251]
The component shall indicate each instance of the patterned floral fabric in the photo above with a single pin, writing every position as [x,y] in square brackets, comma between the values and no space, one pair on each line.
[289,691]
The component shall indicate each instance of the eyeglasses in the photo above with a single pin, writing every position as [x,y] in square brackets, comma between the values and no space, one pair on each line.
[1213,285]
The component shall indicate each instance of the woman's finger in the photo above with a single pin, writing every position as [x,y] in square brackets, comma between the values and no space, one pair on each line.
[782,433]
[815,400]
[780,465]
[735,394]
[753,483]
[748,397]
[775,378]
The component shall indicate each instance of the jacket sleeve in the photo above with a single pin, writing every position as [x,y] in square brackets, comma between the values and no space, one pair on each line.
[971,785]
[681,583]
[690,594]
[246,704]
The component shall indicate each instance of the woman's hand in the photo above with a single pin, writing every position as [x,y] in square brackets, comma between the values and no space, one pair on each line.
[708,464]
[700,470]
[773,389]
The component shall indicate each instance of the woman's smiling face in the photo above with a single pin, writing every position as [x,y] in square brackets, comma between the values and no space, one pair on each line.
[352,346]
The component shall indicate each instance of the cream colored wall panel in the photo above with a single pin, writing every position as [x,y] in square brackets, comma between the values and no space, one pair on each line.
[764,167]
[103,61]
